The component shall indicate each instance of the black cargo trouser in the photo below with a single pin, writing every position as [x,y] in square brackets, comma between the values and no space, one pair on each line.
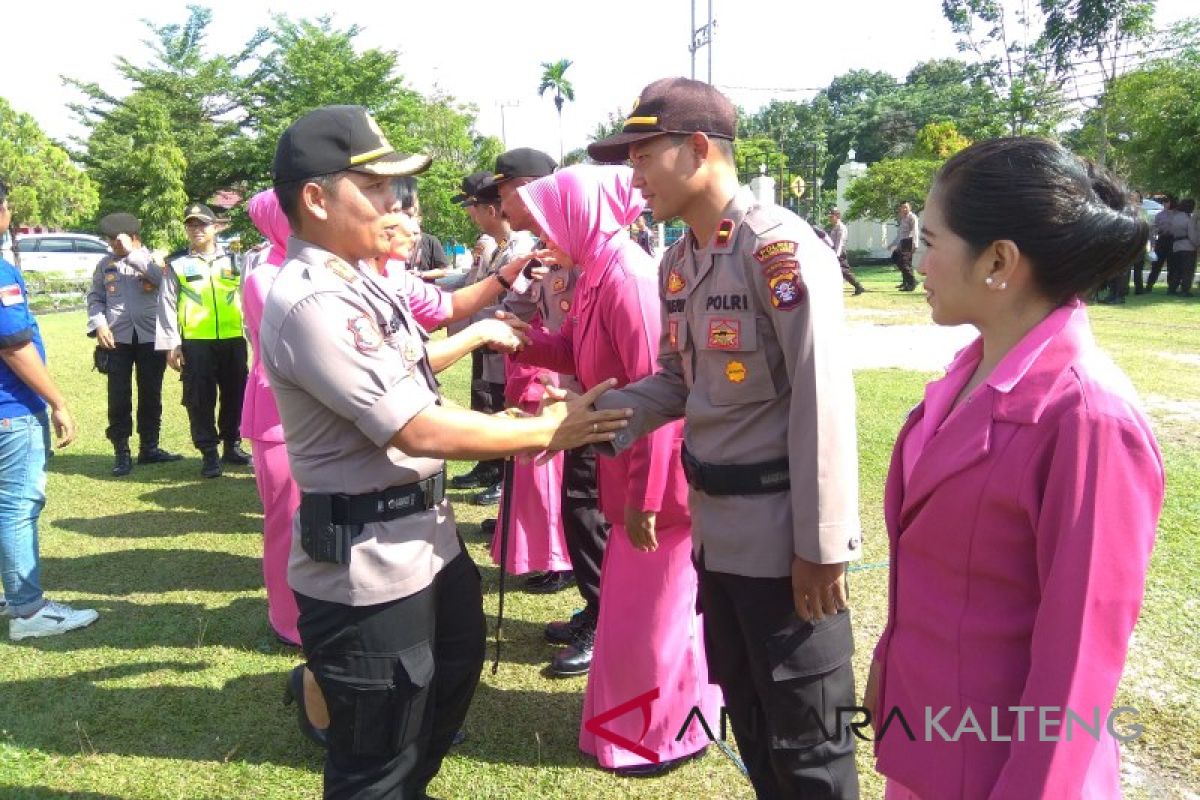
[398,679]
[150,365]
[213,367]
[584,527]
[904,259]
[783,680]
[486,398]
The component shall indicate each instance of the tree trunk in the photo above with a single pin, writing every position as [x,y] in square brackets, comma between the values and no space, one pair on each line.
[1102,126]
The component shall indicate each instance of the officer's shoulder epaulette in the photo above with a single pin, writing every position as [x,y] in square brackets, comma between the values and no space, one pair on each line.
[763,220]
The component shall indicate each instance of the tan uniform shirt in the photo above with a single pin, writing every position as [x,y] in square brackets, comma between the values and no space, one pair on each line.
[124,296]
[518,243]
[482,252]
[552,298]
[837,235]
[752,355]
[347,365]
[907,227]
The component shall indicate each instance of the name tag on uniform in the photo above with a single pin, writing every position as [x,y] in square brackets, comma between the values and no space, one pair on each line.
[10,295]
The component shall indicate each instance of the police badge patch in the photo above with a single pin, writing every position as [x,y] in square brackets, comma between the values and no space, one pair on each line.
[725,334]
[786,285]
[367,336]
[675,282]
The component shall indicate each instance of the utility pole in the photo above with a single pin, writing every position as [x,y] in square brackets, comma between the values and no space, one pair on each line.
[503,104]
[702,37]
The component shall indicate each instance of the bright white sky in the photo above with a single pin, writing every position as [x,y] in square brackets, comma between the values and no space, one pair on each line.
[490,53]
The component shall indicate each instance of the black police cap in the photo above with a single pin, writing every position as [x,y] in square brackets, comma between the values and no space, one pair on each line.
[670,105]
[201,212]
[336,139]
[470,188]
[524,162]
[113,225]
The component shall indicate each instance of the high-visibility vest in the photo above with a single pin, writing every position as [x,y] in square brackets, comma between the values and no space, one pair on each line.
[209,302]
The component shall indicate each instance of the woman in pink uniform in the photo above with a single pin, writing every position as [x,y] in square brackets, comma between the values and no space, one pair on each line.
[649,645]
[536,541]
[261,425]
[1023,494]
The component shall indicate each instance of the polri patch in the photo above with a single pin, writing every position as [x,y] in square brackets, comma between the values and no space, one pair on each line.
[367,336]
[725,334]
[774,250]
[786,285]
[675,282]
[735,371]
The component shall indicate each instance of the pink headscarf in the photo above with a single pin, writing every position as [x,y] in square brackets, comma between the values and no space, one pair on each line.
[271,222]
[585,209]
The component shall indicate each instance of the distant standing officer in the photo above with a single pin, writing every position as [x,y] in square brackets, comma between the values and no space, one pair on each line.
[391,614]
[837,239]
[904,245]
[122,307]
[585,527]
[200,326]
[752,357]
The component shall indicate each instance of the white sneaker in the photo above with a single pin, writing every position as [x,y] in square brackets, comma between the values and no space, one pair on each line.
[50,620]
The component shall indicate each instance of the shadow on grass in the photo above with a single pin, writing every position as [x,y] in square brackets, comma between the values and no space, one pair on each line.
[10,792]
[523,727]
[168,522]
[241,625]
[99,466]
[240,720]
[150,570]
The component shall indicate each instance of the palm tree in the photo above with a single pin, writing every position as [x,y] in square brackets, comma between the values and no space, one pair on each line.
[554,77]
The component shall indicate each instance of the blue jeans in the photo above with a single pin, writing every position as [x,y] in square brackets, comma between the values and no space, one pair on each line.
[24,445]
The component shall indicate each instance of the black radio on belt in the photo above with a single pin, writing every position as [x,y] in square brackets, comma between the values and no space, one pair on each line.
[329,523]
[765,477]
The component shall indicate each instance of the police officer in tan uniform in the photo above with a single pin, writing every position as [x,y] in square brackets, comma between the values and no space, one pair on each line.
[585,528]
[122,308]
[751,357]
[487,369]
[391,615]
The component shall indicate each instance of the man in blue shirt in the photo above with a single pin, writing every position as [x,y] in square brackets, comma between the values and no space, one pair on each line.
[26,389]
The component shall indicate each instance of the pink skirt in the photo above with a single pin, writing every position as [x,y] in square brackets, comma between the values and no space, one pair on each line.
[536,542]
[648,668]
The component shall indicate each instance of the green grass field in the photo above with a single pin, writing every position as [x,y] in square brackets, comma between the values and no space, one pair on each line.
[176,691]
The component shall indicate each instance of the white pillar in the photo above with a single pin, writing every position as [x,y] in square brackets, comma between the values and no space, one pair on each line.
[763,188]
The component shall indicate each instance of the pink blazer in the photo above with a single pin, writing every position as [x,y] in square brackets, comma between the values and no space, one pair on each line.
[1020,540]
[612,332]
[260,415]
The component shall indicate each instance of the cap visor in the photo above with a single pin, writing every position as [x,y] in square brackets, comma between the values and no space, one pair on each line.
[395,165]
[208,220]
[615,148]
[459,198]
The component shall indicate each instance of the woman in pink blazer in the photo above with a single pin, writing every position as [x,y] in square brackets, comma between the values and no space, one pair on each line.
[1022,498]
[649,648]
[261,425]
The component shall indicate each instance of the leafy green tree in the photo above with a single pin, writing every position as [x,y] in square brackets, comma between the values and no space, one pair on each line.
[140,168]
[1153,124]
[1102,32]
[46,187]
[888,183]
[1005,36]
[554,78]
[202,95]
[939,140]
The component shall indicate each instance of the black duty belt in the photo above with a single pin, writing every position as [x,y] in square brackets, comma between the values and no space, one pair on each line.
[391,503]
[765,477]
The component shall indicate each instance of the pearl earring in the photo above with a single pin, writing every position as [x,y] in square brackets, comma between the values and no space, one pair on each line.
[988,280]
[1003,285]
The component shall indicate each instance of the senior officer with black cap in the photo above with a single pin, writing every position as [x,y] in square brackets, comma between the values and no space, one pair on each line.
[391,614]
[122,306]
[199,325]
[752,358]
[585,528]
